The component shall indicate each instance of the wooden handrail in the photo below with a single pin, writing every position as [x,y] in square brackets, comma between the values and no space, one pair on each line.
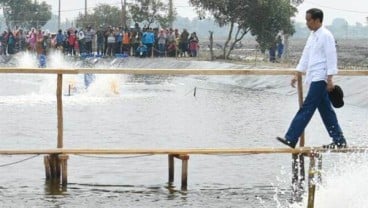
[188,151]
[169,71]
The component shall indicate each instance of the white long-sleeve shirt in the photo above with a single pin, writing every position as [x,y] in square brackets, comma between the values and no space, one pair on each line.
[319,57]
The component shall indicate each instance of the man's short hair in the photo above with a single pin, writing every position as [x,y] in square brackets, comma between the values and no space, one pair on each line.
[316,14]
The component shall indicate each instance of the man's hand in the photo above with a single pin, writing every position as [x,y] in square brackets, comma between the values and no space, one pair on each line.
[330,84]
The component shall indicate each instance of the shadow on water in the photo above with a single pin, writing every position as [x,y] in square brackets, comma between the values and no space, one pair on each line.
[168,191]
[55,188]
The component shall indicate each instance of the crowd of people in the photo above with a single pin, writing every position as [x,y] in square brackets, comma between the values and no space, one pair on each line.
[103,41]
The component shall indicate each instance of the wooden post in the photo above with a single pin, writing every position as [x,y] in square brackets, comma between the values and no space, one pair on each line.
[212,55]
[301,170]
[302,137]
[52,162]
[64,168]
[184,171]
[295,182]
[46,160]
[319,173]
[311,182]
[60,126]
[300,100]
[171,168]
[54,166]
[52,169]
[298,170]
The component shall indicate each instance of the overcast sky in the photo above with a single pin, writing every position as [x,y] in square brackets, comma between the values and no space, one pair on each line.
[353,11]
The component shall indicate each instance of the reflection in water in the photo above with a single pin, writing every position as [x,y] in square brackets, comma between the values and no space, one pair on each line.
[54,187]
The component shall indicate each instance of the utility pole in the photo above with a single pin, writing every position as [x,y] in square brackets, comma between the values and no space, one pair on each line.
[85,8]
[59,16]
[123,14]
[171,13]
[85,14]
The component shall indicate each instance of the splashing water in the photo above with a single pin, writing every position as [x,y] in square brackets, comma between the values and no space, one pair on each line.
[26,59]
[41,88]
[104,85]
[343,184]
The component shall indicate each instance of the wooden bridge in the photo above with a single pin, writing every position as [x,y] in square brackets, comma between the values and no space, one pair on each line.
[56,159]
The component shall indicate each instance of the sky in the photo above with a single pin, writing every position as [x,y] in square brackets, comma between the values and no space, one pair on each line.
[353,11]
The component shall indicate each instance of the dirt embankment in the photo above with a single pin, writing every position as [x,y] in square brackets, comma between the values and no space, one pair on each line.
[352,54]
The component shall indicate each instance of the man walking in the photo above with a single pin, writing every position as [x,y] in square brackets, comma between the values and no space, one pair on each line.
[319,62]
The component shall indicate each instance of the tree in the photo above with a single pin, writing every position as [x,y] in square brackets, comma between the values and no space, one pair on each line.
[226,13]
[264,18]
[25,13]
[152,11]
[103,14]
[268,18]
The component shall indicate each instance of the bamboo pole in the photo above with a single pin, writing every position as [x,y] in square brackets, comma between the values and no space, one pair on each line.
[319,173]
[298,171]
[171,168]
[64,168]
[302,137]
[54,167]
[312,184]
[301,170]
[184,171]
[147,71]
[295,185]
[300,100]
[46,160]
[196,151]
[60,125]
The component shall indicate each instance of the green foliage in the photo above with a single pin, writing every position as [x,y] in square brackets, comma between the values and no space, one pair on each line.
[151,12]
[142,11]
[26,13]
[264,18]
[297,2]
[103,14]
[268,18]
[224,11]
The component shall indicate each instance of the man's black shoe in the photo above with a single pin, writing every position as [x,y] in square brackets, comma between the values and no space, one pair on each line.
[286,142]
[334,145]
